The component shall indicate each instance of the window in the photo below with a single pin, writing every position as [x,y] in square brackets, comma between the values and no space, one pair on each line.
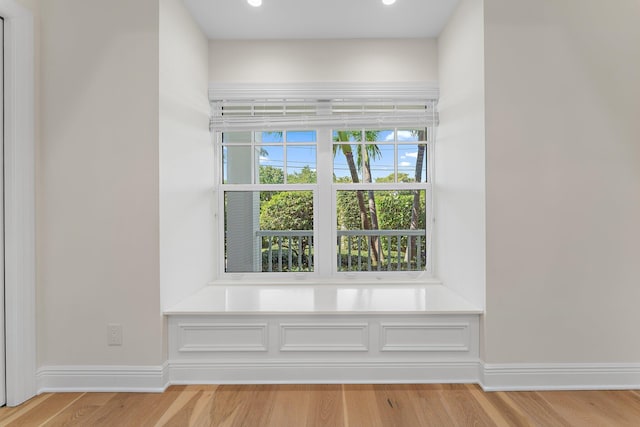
[324,189]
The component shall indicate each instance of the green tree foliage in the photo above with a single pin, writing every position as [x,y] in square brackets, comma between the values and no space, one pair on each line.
[402,177]
[305,176]
[395,209]
[395,213]
[271,175]
[347,210]
[287,210]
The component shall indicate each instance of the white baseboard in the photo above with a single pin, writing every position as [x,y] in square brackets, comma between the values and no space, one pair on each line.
[157,378]
[492,377]
[103,378]
[303,372]
[565,376]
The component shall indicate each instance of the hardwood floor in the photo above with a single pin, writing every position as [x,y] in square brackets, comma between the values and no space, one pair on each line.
[412,405]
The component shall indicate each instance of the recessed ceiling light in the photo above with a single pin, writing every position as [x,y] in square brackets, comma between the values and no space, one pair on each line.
[258,3]
[388,2]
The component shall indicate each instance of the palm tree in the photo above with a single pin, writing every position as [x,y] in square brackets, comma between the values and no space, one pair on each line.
[353,170]
[415,208]
[365,214]
[371,151]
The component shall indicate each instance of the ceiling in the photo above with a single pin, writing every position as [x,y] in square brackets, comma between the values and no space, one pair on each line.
[320,19]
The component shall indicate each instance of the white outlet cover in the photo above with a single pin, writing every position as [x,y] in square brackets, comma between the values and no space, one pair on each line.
[114,334]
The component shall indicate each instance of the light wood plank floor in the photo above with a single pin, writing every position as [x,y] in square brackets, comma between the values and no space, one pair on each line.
[329,405]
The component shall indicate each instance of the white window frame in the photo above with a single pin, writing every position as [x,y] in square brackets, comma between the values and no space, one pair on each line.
[19,187]
[325,268]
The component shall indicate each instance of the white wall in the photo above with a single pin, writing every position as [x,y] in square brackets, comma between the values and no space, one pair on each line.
[562,166]
[563,181]
[186,156]
[97,187]
[304,61]
[459,185]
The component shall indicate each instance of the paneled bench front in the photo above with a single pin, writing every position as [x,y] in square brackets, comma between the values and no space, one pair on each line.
[323,335]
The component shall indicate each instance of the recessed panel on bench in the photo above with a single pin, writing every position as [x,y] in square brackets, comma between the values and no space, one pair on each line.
[424,337]
[205,337]
[324,337]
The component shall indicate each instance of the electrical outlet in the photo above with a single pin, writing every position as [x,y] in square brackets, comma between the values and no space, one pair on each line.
[114,334]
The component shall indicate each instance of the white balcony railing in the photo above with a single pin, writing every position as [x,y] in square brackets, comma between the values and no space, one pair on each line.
[357,250]
[293,250]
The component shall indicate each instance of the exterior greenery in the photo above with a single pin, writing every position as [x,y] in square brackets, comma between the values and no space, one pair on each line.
[360,213]
[287,210]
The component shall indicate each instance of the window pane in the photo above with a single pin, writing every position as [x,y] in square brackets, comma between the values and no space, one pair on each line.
[353,135]
[345,163]
[392,239]
[236,137]
[409,135]
[301,136]
[379,135]
[380,166]
[411,157]
[236,164]
[269,137]
[269,231]
[271,164]
[301,164]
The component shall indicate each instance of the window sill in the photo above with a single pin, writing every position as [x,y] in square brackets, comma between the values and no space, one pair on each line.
[315,298]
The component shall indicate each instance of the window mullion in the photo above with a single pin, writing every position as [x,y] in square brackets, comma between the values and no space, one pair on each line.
[324,218]
[218,204]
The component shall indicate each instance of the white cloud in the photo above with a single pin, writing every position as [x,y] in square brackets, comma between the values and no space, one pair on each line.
[404,164]
[406,135]
[413,154]
[403,135]
[264,159]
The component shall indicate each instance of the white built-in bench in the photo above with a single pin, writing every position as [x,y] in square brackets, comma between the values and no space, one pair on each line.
[323,334]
